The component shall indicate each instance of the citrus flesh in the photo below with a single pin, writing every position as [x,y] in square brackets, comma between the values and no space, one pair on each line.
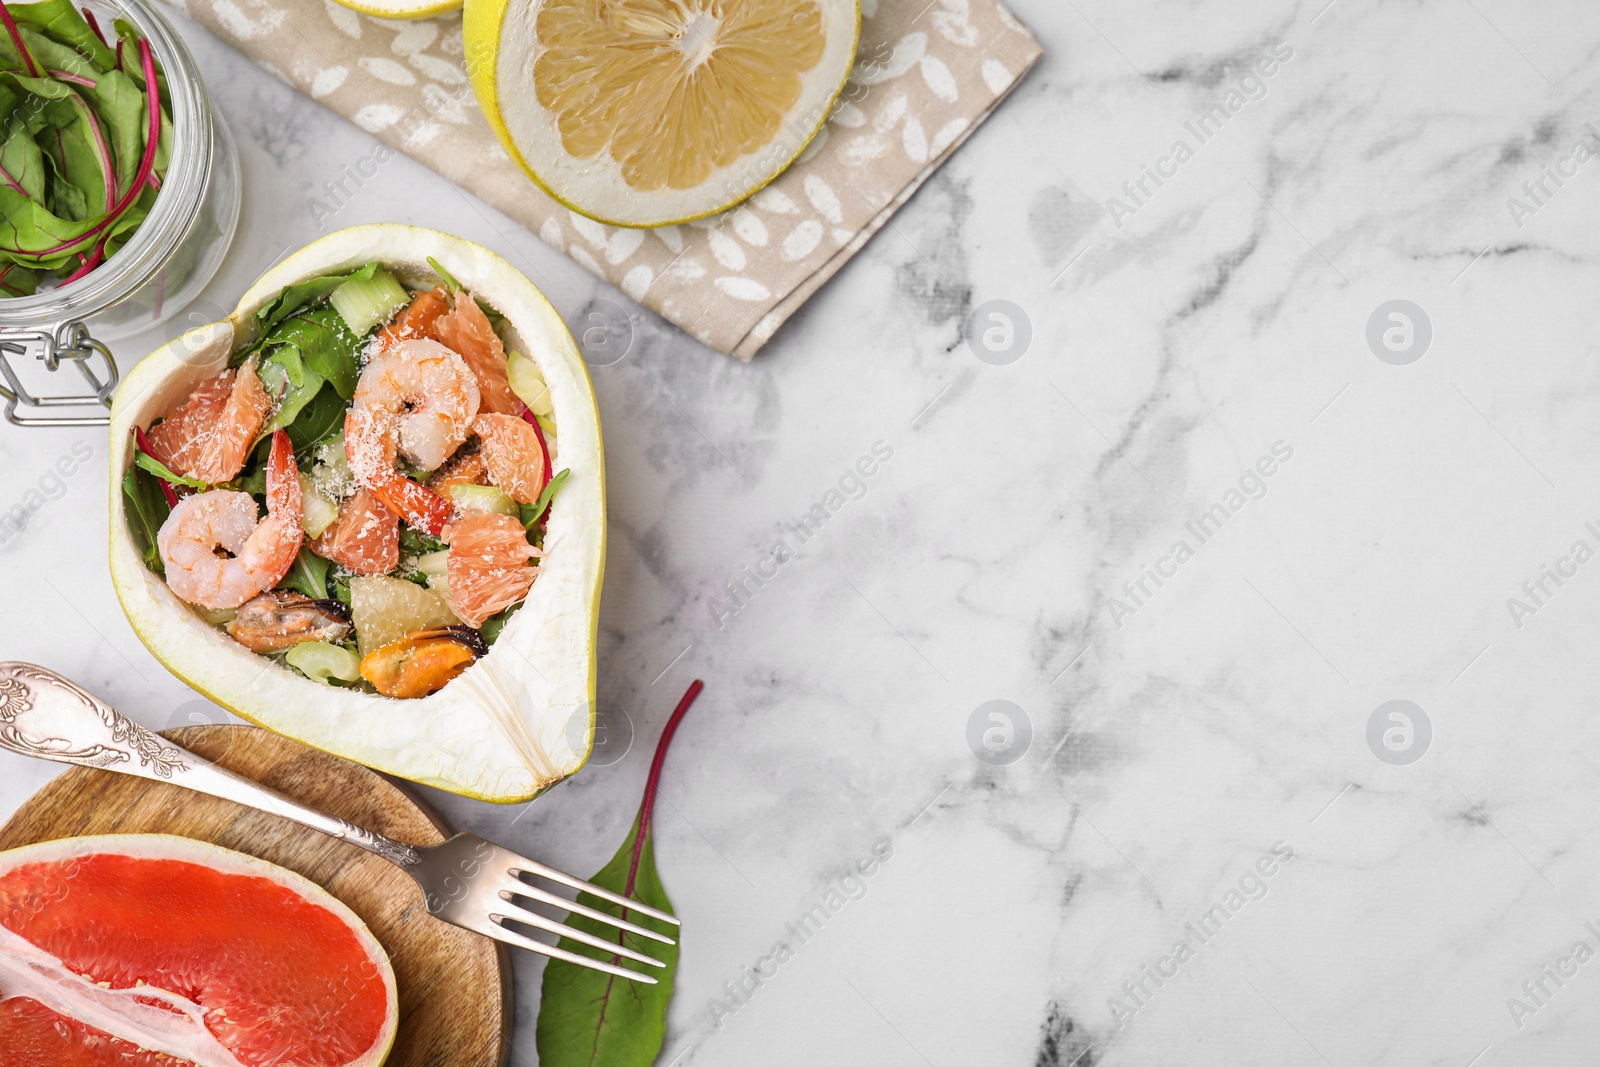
[234,960]
[401,9]
[647,112]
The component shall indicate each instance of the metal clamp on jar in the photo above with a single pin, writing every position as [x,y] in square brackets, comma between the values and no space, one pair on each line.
[168,260]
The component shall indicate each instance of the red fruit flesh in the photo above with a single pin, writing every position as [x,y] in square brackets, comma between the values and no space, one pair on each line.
[282,979]
[365,537]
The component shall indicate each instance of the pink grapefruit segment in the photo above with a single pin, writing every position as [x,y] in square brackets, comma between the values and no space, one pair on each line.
[141,949]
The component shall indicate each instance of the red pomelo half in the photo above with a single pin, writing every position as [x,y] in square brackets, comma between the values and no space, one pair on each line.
[137,949]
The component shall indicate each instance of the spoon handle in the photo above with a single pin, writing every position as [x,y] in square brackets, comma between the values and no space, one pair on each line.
[46,716]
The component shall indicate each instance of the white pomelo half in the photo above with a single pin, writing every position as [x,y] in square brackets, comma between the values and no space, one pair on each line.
[402,9]
[518,720]
[653,112]
[152,1018]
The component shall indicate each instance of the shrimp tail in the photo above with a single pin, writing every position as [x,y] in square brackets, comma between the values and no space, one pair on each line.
[417,504]
[285,509]
[283,480]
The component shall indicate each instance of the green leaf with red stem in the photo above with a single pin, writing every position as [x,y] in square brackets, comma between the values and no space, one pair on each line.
[590,1019]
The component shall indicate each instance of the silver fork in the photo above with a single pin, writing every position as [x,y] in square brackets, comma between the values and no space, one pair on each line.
[466,881]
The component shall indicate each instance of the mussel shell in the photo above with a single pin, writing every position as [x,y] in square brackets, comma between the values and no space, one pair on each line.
[282,618]
[465,635]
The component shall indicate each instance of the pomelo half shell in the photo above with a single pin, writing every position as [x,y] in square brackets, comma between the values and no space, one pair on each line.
[134,949]
[518,720]
[402,9]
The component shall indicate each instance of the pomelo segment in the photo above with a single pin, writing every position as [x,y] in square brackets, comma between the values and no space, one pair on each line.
[652,112]
[137,949]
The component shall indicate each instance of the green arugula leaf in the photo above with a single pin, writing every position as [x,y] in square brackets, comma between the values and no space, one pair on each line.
[317,421]
[590,1019]
[308,575]
[146,509]
[160,470]
[494,624]
[324,342]
[286,378]
[297,296]
[414,542]
[531,514]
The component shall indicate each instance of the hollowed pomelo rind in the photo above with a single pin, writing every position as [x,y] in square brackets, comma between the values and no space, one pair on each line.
[69,851]
[521,718]
[501,43]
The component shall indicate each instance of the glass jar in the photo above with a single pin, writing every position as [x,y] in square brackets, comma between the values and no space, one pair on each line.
[164,265]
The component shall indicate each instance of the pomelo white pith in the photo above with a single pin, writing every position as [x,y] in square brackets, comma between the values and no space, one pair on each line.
[653,112]
[518,720]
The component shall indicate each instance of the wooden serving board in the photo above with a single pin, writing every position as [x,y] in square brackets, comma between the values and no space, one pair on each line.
[455,986]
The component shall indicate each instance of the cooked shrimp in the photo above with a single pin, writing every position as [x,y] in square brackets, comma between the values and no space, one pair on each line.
[416,399]
[511,456]
[217,554]
[209,436]
[456,321]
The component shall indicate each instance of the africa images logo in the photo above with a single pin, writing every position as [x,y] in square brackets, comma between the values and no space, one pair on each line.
[1139,990]
[1252,485]
[1250,88]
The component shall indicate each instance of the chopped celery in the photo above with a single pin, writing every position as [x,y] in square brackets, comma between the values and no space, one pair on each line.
[216,618]
[527,381]
[330,473]
[365,303]
[483,498]
[434,563]
[317,512]
[320,660]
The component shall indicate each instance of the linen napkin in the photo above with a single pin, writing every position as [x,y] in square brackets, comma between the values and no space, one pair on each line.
[927,73]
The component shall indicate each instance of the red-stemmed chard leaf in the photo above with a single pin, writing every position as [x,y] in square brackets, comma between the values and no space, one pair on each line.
[142,442]
[146,164]
[544,449]
[94,24]
[16,39]
[591,1019]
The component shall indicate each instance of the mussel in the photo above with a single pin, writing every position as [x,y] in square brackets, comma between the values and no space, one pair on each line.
[281,618]
[422,661]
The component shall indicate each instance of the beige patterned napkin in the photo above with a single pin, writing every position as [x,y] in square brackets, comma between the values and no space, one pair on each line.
[928,71]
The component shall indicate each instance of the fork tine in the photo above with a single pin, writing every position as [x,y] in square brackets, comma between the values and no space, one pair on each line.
[511,937]
[521,888]
[522,864]
[533,918]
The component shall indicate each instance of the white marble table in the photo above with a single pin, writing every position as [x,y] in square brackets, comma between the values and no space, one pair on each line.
[1183,720]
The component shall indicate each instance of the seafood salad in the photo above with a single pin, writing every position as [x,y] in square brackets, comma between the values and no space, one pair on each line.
[362,492]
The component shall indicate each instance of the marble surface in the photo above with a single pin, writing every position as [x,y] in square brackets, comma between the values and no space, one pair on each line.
[1197,772]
